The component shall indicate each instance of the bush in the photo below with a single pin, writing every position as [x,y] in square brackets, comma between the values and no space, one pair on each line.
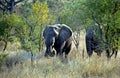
[2,58]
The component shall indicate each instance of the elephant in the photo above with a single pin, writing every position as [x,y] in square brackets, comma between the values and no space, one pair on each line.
[93,41]
[58,40]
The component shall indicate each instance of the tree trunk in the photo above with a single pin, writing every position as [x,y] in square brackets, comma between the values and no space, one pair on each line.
[40,38]
[107,43]
[39,44]
[32,60]
[5,45]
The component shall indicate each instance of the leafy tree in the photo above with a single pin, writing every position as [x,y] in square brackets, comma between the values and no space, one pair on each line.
[36,17]
[105,14]
[68,12]
[7,25]
[56,7]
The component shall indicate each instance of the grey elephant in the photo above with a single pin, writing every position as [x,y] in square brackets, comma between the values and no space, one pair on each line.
[58,38]
[94,41]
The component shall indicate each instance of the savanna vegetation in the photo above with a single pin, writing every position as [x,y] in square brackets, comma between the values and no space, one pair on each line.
[22,45]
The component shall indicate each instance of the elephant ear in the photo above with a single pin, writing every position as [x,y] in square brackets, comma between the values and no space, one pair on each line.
[45,31]
[65,33]
[51,30]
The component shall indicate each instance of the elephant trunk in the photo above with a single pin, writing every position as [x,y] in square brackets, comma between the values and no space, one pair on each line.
[49,52]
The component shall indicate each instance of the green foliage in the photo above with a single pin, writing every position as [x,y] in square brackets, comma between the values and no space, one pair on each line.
[3,26]
[13,20]
[40,11]
[8,25]
[77,14]
[84,13]
[9,22]
[106,14]
[13,39]
[2,58]
[70,13]
[35,18]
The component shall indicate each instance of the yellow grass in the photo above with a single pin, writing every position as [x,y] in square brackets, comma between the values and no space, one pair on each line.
[77,67]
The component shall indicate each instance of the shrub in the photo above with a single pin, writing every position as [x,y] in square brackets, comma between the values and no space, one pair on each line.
[2,58]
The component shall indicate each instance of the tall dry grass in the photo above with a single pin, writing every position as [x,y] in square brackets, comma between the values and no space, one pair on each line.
[94,67]
[77,67]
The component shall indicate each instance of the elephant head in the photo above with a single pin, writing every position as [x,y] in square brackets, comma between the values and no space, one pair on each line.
[54,34]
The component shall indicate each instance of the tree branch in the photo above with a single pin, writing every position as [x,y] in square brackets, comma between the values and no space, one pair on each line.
[95,19]
[18,1]
[2,8]
[116,8]
[7,1]
[3,5]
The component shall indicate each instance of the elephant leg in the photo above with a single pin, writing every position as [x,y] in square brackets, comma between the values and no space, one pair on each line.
[90,53]
[49,52]
[67,50]
[59,52]
[108,53]
[60,49]
[89,47]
